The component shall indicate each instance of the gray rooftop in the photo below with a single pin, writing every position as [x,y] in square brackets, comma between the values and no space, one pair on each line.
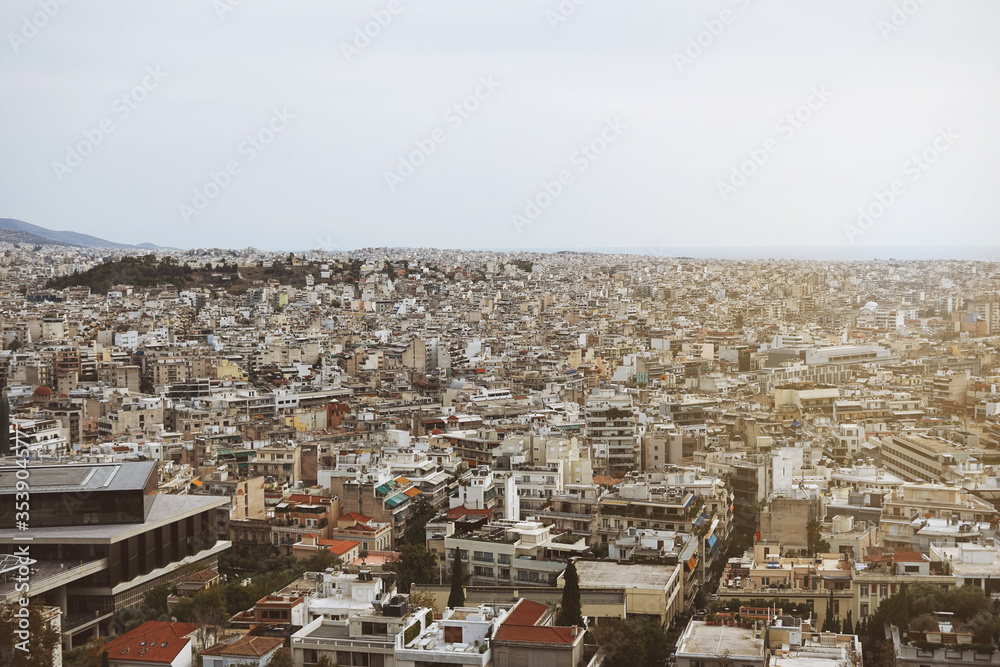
[702,639]
[165,509]
[63,478]
[601,574]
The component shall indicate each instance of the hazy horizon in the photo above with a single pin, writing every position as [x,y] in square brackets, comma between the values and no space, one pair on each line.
[532,124]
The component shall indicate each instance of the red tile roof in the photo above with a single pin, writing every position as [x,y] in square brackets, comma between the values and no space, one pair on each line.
[153,642]
[908,557]
[248,646]
[339,547]
[525,612]
[354,516]
[520,626]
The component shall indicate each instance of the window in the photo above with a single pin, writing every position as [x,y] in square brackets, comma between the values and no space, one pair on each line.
[864,609]
[864,590]
[883,590]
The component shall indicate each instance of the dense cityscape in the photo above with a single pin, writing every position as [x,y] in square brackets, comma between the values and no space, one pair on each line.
[408,457]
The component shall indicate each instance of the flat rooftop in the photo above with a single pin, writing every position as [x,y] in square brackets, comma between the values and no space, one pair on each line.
[330,631]
[62,478]
[702,639]
[935,445]
[601,574]
[164,510]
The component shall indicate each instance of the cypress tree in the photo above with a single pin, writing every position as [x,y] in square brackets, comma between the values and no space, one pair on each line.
[457,596]
[828,622]
[4,425]
[848,625]
[570,612]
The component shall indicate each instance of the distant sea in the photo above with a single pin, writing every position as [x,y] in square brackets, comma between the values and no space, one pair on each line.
[989,253]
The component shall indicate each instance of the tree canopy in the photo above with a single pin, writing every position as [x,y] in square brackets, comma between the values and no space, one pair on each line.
[570,612]
[415,565]
[631,642]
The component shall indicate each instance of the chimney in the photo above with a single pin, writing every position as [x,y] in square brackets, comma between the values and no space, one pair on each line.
[575,631]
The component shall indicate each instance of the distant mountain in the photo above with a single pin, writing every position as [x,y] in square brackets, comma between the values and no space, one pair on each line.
[27,238]
[65,237]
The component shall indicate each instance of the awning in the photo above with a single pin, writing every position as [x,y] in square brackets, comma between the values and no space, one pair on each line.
[412,492]
[617,503]
[196,482]
[396,501]
[712,540]
[383,489]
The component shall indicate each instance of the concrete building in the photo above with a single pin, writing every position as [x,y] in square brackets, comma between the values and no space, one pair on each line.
[101,539]
[704,645]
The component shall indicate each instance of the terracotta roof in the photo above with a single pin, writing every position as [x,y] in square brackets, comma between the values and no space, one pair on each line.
[538,634]
[607,481]
[525,612]
[908,557]
[202,575]
[354,516]
[520,626]
[359,527]
[154,642]
[340,547]
[248,646]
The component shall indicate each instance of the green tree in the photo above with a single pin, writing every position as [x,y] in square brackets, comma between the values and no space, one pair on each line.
[984,624]
[155,599]
[415,565]
[104,659]
[4,424]
[879,653]
[922,598]
[570,611]
[966,601]
[830,623]
[924,623]
[457,596]
[631,642]
[36,649]
[848,628]
[282,658]
[813,534]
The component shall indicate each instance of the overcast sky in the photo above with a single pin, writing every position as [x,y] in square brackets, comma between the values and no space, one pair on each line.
[829,102]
